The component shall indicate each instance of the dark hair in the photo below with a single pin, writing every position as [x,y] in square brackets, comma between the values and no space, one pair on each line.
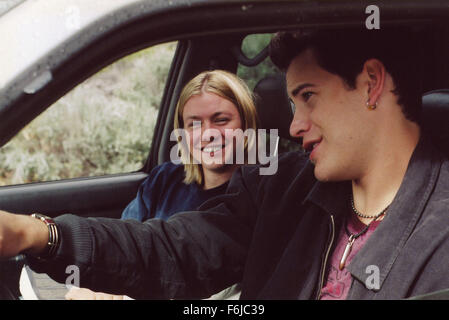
[344,51]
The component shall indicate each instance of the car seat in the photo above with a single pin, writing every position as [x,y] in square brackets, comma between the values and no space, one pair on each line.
[275,111]
[273,105]
[435,117]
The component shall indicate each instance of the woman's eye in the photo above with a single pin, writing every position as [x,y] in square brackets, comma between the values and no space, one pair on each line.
[221,120]
[194,124]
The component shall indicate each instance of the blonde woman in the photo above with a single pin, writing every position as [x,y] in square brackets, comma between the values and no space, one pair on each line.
[211,106]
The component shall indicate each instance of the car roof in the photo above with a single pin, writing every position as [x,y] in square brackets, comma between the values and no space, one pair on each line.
[31,30]
[37,29]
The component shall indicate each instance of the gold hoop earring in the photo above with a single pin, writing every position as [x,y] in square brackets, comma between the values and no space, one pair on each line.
[371,106]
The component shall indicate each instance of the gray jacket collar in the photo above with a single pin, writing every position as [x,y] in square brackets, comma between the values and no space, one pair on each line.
[384,246]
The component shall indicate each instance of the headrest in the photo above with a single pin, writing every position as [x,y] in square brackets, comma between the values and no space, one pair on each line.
[273,105]
[436,113]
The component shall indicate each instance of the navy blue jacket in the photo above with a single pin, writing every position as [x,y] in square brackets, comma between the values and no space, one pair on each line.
[163,193]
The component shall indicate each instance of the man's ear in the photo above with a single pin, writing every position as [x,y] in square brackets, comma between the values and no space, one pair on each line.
[375,71]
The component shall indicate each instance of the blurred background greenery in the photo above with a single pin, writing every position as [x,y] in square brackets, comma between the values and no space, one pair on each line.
[104,125]
[251,46]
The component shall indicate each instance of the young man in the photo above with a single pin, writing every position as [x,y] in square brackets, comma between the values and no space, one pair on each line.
[363,216]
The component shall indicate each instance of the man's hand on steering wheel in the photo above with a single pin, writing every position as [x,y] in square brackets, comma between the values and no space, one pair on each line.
[21,234]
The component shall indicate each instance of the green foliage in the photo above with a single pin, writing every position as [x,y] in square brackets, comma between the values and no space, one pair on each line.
[251,46]
[103,126]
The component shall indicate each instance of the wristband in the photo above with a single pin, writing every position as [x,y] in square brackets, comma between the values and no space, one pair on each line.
[53,236]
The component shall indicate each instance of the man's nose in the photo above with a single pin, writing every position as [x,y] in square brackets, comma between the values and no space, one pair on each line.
[299,125]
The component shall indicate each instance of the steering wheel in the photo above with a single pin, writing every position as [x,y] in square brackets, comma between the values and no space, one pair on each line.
[10,270]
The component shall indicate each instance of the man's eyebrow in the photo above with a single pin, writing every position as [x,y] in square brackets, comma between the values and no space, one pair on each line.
[298,89]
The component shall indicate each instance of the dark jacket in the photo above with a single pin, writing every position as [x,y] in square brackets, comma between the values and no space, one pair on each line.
[274,234]
[164,193]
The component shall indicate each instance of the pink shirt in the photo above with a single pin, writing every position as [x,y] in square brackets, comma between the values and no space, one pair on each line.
[339,281]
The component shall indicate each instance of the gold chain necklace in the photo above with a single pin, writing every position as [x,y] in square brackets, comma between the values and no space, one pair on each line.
[353,237]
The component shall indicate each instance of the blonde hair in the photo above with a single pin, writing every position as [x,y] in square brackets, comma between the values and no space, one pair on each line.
[227,86]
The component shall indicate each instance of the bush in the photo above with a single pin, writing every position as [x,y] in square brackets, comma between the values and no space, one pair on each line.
[251,46]
[103,126]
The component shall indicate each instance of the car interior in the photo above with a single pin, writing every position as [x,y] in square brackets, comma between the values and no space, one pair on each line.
[202,45]
[197,50]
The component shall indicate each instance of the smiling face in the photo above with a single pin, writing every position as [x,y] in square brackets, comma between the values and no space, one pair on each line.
[206,117]
[331,119]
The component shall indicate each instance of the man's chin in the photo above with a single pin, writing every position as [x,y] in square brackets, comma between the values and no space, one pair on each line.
[321,175]
[328,175]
